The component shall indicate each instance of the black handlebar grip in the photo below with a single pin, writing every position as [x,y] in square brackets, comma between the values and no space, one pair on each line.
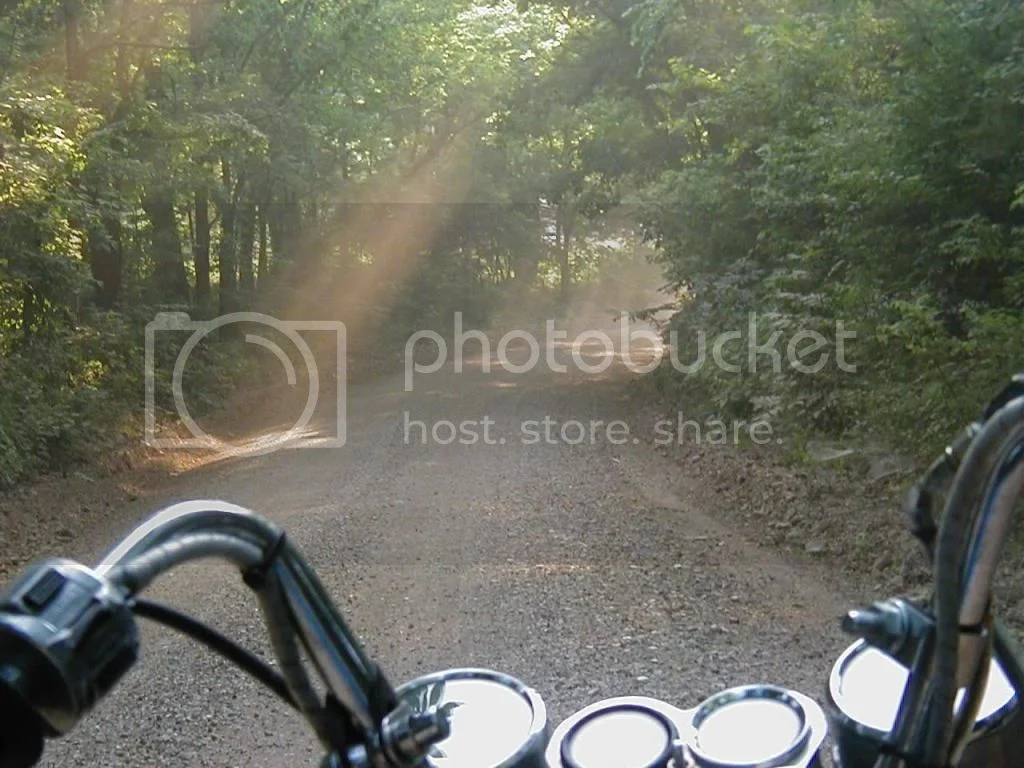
[21,733]
[67,636]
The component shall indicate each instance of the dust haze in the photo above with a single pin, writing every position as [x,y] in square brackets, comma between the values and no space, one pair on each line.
[622,282]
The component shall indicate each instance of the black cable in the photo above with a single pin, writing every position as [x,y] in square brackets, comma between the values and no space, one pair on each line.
[215,641]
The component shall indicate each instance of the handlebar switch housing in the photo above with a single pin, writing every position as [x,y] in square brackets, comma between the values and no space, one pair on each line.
[67,636]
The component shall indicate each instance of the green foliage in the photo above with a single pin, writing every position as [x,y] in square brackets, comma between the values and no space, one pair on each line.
[213,157]
[807,163]
[862,166]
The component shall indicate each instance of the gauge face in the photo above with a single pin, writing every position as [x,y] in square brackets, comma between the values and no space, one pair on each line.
[753,725]
[491,721]
[619,738]
[747,732]
[869,686]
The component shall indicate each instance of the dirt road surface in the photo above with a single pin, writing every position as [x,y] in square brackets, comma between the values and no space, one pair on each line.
[580,567]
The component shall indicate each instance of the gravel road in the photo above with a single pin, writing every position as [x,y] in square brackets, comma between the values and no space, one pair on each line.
[578,567]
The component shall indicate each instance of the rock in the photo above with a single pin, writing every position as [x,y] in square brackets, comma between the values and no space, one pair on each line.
[814,547]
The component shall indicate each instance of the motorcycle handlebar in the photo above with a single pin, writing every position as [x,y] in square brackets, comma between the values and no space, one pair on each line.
[67,633]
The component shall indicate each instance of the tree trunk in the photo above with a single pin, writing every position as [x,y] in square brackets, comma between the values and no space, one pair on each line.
[262,264]
[565,234]
[275,231]
[28,310]
[199,15]
[202,249]
[74,62]
[285,222]
[226,253]
[526,258]
[106,258]
[246,237]
[122,81]
[169,265]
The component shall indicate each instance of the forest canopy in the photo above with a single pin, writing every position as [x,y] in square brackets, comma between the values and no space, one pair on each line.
[388,162]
